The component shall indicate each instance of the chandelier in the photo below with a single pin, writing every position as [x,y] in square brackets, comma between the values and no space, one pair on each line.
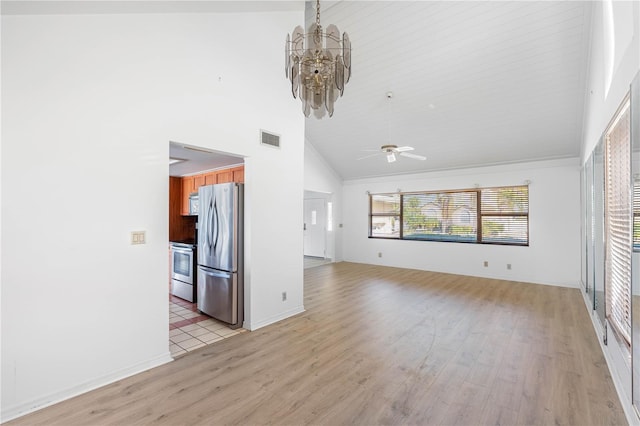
[318,64]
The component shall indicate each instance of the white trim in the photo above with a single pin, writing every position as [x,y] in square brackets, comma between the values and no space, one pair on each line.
[10,413]
[268,321]
[474,171]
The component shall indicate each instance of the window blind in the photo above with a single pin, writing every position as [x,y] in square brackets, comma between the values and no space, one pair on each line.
[440,216]
[636,215]
[497,215]
[618,224]
[384,217]
[505,215]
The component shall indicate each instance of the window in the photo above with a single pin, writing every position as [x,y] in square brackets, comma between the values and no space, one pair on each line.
[636,214]
[440,216]
[384,219]
[484,215]
[618,223]
[505,215]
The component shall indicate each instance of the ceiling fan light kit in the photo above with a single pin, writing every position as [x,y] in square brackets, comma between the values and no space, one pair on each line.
[319,67]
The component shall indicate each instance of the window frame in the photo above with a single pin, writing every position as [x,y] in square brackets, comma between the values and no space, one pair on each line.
[385,214]
[479,215]
[618,251]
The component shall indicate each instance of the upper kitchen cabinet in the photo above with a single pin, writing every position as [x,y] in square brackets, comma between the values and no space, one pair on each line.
[238,174]
[210,178]
[224,176]
[187,189]
[190,184]
[198,181]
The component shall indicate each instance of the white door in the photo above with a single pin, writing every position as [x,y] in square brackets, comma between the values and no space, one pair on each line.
[315,223]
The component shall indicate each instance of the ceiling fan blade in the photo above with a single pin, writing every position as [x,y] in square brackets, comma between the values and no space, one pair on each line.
[404,148]
[368,156]
[414,156]
[391,157]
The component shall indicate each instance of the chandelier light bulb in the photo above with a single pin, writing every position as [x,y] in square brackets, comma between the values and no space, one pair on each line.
[318,64]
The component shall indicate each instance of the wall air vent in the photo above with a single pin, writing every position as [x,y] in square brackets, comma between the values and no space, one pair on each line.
[269,139]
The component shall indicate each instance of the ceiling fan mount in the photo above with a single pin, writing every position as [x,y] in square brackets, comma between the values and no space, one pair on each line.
[391,150]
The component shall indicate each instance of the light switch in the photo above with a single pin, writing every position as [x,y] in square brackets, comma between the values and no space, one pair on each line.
[138,237]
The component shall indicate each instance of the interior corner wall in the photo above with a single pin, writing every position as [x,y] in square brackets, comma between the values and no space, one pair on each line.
[89,105]
[614,62]
[602,97]
[320,177]
[552,256]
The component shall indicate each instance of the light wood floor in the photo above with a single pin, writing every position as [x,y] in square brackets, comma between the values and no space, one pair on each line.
[381,346]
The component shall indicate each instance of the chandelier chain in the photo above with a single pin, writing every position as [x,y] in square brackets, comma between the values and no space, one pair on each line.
[318,13]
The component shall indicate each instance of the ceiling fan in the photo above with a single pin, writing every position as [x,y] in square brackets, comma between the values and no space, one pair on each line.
[391,150]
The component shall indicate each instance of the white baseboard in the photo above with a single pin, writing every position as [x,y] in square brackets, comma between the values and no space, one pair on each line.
[12,412]
[267,321]
[625,400]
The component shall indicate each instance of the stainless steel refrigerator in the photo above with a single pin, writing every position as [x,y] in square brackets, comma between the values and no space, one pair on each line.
[221,252]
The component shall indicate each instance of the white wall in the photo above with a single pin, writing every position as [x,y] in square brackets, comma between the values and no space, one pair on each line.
[621,59]
[552,256]
[614,61]
[90,103]
[320,177]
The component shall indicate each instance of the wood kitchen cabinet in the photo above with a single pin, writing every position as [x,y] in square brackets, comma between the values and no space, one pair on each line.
[190,184]
[210,178]
[187,189]
[224,176]
[238,175]
[180,227]
[198,181]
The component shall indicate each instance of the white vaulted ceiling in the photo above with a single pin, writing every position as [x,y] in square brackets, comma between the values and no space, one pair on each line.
[474,83]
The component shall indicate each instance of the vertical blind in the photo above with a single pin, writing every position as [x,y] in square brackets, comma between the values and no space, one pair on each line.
[618,224]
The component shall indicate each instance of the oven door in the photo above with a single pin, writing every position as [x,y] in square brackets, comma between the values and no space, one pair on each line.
[182,264]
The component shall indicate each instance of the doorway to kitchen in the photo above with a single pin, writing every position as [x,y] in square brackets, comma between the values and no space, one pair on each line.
[190,168]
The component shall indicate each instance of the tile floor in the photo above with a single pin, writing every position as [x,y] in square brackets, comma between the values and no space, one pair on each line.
[189,329]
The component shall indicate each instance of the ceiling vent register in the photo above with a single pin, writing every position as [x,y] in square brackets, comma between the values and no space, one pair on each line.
[270,139]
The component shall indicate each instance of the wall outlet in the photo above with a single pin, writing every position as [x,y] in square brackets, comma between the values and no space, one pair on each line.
[486,263]
[284,296]
[379,254]
[508,266]
[138,237]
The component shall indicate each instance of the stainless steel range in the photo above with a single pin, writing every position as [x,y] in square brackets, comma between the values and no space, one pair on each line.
[183,275]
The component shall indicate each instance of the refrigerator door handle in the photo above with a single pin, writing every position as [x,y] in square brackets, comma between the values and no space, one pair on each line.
[208,230]
[216,220]
[219,274]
